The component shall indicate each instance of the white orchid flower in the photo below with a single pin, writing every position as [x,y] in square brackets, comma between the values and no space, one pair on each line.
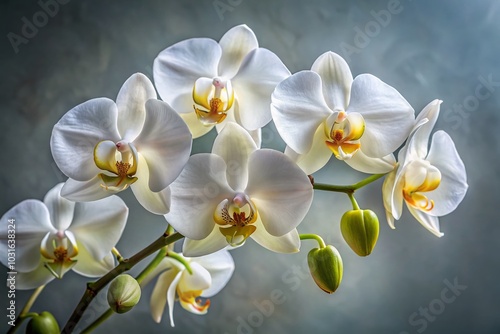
[325,111]
[210,274]
[105,147]
[431,183]
[236,192]
[57,235]
[210,83]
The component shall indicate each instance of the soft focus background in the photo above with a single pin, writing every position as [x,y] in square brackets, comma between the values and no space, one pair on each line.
[426,49]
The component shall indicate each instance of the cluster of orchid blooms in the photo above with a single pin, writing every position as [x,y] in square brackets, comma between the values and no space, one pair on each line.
[238,191]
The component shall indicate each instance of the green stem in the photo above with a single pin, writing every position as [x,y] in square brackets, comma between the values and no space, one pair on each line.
[93,288]
[181,259]
[355,205]
[139,278]
[28,315]
[350,188]
[143,274]
[368,180]
[98,321]
[152,265]
[117,254]
[25,312]
[315,237]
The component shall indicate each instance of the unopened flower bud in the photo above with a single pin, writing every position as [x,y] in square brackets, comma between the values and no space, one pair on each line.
[123,293]
[360,230]
[325,265]
[43,323]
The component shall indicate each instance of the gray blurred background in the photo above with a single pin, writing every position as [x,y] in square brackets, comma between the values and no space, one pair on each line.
[426,49]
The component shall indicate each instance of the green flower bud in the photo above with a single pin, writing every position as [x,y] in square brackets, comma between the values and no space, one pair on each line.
[360,230]
[43,323]
[325,265]
[123,293]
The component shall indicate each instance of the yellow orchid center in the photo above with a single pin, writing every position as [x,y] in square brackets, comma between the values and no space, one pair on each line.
[60,254]
[344,134]
[213,98]
[420,177]
[119,163]
[59,251]
[190,301]
[236,218]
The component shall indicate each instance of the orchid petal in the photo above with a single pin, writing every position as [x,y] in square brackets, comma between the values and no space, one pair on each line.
[160,292]
[89,266]
[220,265]
[287,243]
[365,164]
[91,190]
[280,190]
[171,297]
[390,219]
[99,225]
[444,156]
[31,219]
[234,145]
[316,158]
[337,79]
[298,109]
[166,263]
[196,193]
[177,67]
[397,192]
[165,143]
[155,202]
[196,127]
[387,195]
[388,117]
[214,242]
[236,43]
[255,134]
[33,278]
[61,210]
[431,223]
[404,157]
[131,103]
[420,139]
[78,132]
[200,279]
[254,83]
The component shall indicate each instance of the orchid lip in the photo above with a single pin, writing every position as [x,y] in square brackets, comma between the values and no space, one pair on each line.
[59,250]
[190,300]
[236,218]
[212,100]
[420,177]
[344,134]
[119,160]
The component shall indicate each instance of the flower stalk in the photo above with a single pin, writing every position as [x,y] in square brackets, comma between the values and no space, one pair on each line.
[94,288]
[117,254]
[181,259]
[316,237]
[139,278]
[349,189]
